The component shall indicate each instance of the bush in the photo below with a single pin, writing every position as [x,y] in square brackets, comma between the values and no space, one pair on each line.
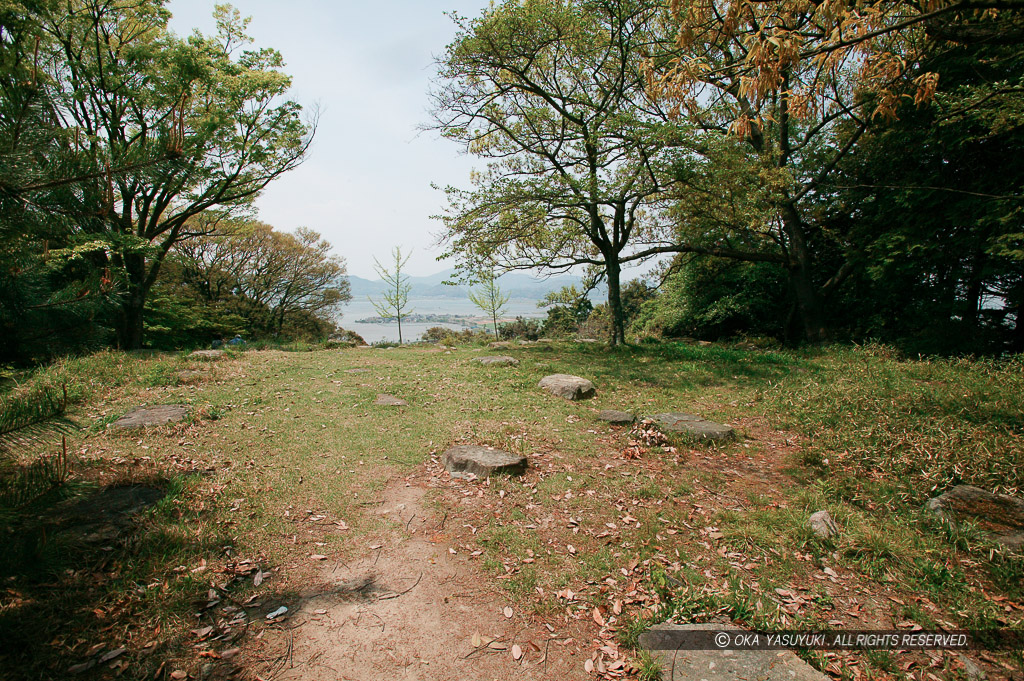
[345,337]
[444,336]
[521,328]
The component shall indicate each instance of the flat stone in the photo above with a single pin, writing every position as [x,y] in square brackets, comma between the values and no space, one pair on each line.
[721,665]
[569,387]
[498,360]
[357,371]
[822,525]
[499,344]
[390,401]
[1000,514]
[207,354]
[693,425]
[151,416]
[483,462]
[617,418]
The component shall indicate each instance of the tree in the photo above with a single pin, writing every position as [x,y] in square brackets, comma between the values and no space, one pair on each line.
[130,93]
[396,295]
[785,90]
[489,297]
[553,95]
[270,279]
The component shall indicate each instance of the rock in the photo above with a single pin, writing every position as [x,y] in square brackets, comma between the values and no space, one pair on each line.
[189,376]
[207,354]
[699,427]
[822,525]
[680,664]
[1001,514]
[357,371]
[498,360]
[483,462]
[971,669]
[569,387]
[586,340]
[617,418]
[499,344]
[151,416]
[390,401]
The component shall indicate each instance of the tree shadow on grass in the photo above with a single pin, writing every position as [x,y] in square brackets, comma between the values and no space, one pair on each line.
[676,366]
[85,572]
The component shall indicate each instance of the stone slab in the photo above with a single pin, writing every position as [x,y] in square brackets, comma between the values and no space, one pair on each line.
[721,665]
[483,462]
[568,387]
[498,360]
[390,401]
[1001,514]
[690,424]
[615,417]
[151,416]
[357,371]
[207,354]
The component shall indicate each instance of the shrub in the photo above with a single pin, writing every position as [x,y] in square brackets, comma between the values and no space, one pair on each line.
[526,329]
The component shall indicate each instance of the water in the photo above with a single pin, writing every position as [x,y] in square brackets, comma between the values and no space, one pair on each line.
[372,333]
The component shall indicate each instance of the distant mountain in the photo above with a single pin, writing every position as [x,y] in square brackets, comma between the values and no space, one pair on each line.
[514,284]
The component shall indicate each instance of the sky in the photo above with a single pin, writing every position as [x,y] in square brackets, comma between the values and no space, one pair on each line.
[367,66]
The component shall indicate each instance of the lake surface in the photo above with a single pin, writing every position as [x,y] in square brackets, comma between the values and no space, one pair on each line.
[372,333]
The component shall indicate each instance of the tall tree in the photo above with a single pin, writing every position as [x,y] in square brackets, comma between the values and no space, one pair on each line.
[129,92]
[788,88]
[396,294]
[552,94]
[489,297]
[271,276]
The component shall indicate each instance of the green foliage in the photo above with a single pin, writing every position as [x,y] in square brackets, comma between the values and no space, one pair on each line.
[247,279]
[936,274]
[521,328]
[112,154]
[579,157]
[714,298]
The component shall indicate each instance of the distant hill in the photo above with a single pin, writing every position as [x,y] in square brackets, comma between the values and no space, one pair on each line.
[515,284]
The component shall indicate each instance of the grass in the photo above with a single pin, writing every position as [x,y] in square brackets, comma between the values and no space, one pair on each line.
[689,531]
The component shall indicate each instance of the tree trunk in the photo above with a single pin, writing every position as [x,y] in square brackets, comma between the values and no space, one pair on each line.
[972,307]
[399,328]
[129,332]
[613,270]
[808,298]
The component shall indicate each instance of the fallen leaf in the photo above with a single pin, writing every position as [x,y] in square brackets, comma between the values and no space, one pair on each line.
[517,652]
[318,556]
[476,641]
[588,666]
[507,611]
[112,654]
[598,618]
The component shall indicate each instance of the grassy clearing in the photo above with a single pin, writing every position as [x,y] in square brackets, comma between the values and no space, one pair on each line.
[284,452]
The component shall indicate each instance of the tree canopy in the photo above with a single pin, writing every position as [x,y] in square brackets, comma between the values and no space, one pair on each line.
[141,132]
[553,95]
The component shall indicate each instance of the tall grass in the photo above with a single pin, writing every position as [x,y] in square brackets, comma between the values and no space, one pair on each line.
[909,428]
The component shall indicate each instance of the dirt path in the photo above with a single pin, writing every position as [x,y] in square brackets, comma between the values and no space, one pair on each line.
[409,610]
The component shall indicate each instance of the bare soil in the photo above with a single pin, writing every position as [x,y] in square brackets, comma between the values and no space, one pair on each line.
[408,609]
